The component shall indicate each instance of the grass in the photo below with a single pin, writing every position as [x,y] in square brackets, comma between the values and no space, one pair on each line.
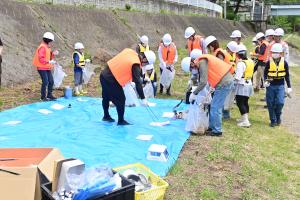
[293,39]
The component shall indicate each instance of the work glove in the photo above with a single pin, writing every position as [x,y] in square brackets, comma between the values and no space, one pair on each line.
[192,98]
[147,79]
[144,102]
[55,52]
[267,84]
[289,92]
[87,60]
[52,62]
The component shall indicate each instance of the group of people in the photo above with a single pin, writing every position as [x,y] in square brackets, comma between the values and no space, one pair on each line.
[227,72]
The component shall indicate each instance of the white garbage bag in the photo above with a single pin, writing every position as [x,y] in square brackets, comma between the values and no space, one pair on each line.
[58,75]
[167,77]
[130,95]
[87,73]
[148,90]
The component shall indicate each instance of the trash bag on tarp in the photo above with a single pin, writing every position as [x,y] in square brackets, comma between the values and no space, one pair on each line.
[167,77]
[130,95]
[87,73]
[58,75]
[148,90]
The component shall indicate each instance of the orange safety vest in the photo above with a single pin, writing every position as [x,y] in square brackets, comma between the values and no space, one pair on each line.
[227,58]
[217,68]
[168,53]
[36,61]
[269,51]
[265,55]
[121,65]
[195,44]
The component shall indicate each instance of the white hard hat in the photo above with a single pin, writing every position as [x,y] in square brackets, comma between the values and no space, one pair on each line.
[269,32]
[279,32]
[232,46]
[167,39]
[236,34]
[151,57]
[195,53]
[241,47]
[186,63]
[277,48]
[189,31]
[144,39]
[49,36]
[149,67]
[78,45]
[260,35]
[254,39]
[209,40]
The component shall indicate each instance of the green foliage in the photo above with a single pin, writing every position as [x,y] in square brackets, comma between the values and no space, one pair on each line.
[283,22]
[127,7]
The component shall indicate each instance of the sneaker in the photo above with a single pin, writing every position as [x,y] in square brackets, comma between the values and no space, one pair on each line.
[51,98]
[239,120]
[272,124]
[218,134]
[44,99]
[108,119]
[245,124]
[278,123]
[123,123]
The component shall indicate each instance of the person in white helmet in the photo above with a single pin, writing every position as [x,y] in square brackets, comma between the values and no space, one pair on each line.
[120,70]
[194,41]
[236,36]
[79,63]
[269,34]
[168,56]
[243,83]
[44,61]
[143,45]
[278,35]
[276,73]
[150,77]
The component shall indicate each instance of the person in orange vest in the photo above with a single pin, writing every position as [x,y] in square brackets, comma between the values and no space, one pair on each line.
[43,60]
[167,54]
[194,41]
[278,34]
[217,73]
[120,70]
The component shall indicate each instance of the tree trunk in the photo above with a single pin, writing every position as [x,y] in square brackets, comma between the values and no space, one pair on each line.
[237,6]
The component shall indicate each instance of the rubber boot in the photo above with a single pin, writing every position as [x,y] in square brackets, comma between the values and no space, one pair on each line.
[77,93]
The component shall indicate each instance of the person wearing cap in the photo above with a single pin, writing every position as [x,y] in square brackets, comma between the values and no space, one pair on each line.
[236,36]
[276,73]
[79,64]
[44,61]
[262,58]
[143,45]
[1,49]
[150,77]
[278,34]
[167,54]
[194,41]
[242,79]
[120,70]
[217,73]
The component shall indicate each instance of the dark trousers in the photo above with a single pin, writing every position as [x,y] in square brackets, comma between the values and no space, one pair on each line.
[242,103]
[162,87]
[275,101]
[112,91]
[47,81]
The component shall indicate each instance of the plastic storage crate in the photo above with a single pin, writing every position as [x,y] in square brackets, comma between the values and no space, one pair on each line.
[155,193]
[126,192]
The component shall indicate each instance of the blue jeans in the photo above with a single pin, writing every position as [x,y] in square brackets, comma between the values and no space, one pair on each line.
[78,79]
[47,81]
[216,107]
[275,101]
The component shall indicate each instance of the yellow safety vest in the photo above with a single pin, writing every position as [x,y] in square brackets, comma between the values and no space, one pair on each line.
[143,49]
[232,60]
[81,59]
[249,69]
[151,76]
[276,72]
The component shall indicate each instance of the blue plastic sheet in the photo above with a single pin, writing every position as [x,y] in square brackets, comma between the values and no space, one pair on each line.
[79,132]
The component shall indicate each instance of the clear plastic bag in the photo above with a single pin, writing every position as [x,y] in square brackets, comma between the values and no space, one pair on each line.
[58,75]
[167,77]
[148,90]
[130,95]
[87,73]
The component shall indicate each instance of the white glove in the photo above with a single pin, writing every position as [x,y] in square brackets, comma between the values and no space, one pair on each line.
[87,60]
[144,102]
[147,79]
[132,84]
[52,62]
[289,90]
[190,83]
[192,97]
[55,52]
[267,83]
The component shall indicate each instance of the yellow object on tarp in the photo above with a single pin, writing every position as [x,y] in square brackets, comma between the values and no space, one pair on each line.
[19,171]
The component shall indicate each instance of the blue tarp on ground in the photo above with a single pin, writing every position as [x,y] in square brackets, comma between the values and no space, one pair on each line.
[79,132]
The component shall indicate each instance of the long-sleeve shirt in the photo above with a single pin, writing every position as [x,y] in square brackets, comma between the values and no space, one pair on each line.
[161,60]
[286,51]
[279,81]
[42,55]
[76,62]
[153,81]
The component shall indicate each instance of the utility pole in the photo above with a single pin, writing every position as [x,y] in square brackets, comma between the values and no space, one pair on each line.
[225,9]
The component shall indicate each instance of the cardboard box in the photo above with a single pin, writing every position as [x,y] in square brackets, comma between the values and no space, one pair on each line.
[20,171]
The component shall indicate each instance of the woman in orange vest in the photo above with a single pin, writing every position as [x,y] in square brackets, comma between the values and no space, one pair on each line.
[43,61]
[167,54]
[217,73]
[194,41]
[125,67]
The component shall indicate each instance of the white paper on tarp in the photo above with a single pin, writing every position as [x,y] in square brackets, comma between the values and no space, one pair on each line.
[44,111]
[12,123]
[81,99]
[168,114]
[57,106]
[151,104]
[167,77]
[130,94]
[160,123]
[144,137]
[148,90]
[87,73]
[58,75]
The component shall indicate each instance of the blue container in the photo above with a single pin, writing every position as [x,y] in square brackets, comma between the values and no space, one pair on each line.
[68,93]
